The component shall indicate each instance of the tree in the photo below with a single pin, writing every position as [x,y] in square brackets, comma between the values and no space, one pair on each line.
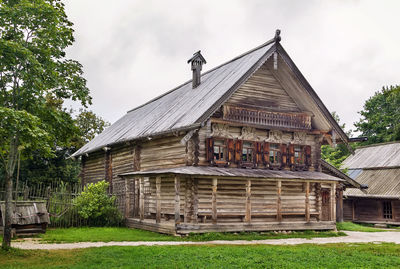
[336,155]
[89,125]
[33,70]
[380,117]
[61,168]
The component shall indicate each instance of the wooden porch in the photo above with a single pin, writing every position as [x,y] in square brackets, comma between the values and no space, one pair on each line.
[182,203]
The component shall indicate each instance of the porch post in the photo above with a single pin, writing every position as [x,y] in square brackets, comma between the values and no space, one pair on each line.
[141,199]
[214,200]
[339,204]
[177,201]
[127,198]
[333,202]
[158,199]
[195,199]
[307,201]
[186,211]
[248,201]
[279,201]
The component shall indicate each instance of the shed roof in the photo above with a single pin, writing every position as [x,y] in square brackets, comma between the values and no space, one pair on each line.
[349,181]
[382,183]
[373,156]
[238,172]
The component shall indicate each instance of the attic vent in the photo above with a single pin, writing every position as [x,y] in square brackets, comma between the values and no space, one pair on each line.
[197,62]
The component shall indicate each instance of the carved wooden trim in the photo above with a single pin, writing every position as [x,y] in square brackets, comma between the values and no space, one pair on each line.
[267,118]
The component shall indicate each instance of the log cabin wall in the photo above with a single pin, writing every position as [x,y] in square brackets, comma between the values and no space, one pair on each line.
[370,210]
[93,168]
[164,152]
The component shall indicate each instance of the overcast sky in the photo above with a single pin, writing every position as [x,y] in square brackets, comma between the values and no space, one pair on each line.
[133,51]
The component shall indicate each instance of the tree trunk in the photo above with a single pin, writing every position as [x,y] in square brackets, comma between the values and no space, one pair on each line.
[8,214]
[10,168]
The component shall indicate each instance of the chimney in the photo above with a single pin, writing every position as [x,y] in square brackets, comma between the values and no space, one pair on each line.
[197,62]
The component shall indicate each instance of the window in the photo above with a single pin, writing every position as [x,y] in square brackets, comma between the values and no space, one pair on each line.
[298,155]
[274,153]
[387,210]
[247,152]
[219,150]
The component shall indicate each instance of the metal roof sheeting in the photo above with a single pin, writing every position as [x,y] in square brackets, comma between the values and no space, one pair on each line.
[238,172]
[380,155]
[181,107]
[382,183]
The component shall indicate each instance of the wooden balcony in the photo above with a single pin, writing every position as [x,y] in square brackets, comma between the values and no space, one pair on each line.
[266,118]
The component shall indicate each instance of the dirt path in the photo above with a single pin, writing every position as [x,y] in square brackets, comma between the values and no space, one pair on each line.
[353,237]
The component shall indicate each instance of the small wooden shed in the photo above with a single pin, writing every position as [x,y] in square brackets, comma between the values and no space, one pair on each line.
[377,166]
[28,216]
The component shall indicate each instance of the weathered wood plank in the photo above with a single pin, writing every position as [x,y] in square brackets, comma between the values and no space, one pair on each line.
[333,201]
[307,201]
[248,201]
[158,199]
[177,201]
[141,199]
[214,200]
[279,201]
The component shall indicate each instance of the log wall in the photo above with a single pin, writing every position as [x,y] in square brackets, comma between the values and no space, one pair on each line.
[369,210]
[94,168]
[160,153]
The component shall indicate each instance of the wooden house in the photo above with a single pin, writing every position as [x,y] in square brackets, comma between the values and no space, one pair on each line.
[237,148]
[378,167]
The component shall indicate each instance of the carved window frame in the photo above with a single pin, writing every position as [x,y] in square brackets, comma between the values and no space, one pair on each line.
[223,145]
[253,152]
[273,150]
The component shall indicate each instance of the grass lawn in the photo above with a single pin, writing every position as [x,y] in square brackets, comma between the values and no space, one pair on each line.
[254,256]
[106,234]
[350,226]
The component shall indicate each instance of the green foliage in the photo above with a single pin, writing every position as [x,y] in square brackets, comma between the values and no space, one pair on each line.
[35,78]
[210,256]
[336,155]
[380,117]
[95,205]
[89,125]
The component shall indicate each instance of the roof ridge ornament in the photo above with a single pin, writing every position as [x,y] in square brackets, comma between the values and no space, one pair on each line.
[277,37]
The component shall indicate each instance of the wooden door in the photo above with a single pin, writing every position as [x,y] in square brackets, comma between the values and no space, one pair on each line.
[326,204]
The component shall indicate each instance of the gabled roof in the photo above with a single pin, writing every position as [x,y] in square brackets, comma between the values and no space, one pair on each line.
[382,183]
[375,156]
[185,108]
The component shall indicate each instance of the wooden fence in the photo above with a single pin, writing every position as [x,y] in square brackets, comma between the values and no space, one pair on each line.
[60,200]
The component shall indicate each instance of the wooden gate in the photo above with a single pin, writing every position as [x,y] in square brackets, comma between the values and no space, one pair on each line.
[326,204]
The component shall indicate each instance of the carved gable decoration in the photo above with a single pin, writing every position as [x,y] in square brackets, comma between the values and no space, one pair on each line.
[220,130]
[249,133]
[274,136]
[299,137]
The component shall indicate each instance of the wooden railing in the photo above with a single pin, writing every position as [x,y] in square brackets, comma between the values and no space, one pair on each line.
[267,118]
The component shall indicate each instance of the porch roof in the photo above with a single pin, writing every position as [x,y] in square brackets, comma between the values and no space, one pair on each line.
[237,173]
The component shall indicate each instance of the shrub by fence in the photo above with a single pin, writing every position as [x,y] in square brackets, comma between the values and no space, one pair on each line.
[60,200]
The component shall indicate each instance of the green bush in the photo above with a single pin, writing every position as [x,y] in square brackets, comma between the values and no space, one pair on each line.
[97,207]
